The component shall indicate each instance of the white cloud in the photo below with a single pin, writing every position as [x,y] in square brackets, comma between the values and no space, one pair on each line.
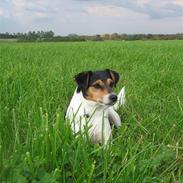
[93,16]
[35,15]
[33,10]
[114,11]
[179,2]
[155,9]
[1,12]
[103,11]
[142,1]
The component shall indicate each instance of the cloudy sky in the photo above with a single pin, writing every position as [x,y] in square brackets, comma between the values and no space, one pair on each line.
[92,16]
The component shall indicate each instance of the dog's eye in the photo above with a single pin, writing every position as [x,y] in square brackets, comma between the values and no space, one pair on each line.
[97,86]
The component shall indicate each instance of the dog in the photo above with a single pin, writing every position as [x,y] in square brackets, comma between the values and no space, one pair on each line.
[94,103]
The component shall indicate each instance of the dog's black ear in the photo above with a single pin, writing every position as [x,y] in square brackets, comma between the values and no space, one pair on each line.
[82,79]
[114,76]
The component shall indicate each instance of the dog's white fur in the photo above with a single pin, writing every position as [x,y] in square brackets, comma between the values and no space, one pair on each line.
[97,117]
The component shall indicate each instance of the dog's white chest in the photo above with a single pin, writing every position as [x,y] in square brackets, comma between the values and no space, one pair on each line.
[88,115]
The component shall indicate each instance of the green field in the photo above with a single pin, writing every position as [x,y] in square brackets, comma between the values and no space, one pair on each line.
[36,84]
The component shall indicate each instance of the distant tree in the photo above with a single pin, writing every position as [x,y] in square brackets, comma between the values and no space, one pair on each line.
[98,37]
[115,36]
[73,35]
[49,34]
[149,36]
[105,36]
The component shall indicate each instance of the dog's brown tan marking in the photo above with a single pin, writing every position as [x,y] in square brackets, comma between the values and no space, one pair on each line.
[110,82]
[112,75]
[96,94]
[99,89]
[98,82]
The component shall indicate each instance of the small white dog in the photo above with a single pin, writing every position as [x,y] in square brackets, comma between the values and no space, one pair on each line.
[93,104]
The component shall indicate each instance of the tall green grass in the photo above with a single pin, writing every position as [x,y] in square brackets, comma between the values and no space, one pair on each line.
[36,85]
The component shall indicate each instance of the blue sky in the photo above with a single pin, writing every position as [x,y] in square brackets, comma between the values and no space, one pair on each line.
[92,16]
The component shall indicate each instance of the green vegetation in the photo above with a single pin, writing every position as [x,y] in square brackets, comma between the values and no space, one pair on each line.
[36,85]
[49,36]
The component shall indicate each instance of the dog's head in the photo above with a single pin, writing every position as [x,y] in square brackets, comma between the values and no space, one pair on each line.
[98,85]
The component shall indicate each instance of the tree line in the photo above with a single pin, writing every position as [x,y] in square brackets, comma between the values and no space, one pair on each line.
[50,36]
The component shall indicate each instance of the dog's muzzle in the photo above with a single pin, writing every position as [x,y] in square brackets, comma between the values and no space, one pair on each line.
[110,99]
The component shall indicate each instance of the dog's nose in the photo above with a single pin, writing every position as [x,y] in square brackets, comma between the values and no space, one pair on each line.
[113,97]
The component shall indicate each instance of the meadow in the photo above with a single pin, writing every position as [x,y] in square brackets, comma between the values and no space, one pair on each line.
[36,85]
